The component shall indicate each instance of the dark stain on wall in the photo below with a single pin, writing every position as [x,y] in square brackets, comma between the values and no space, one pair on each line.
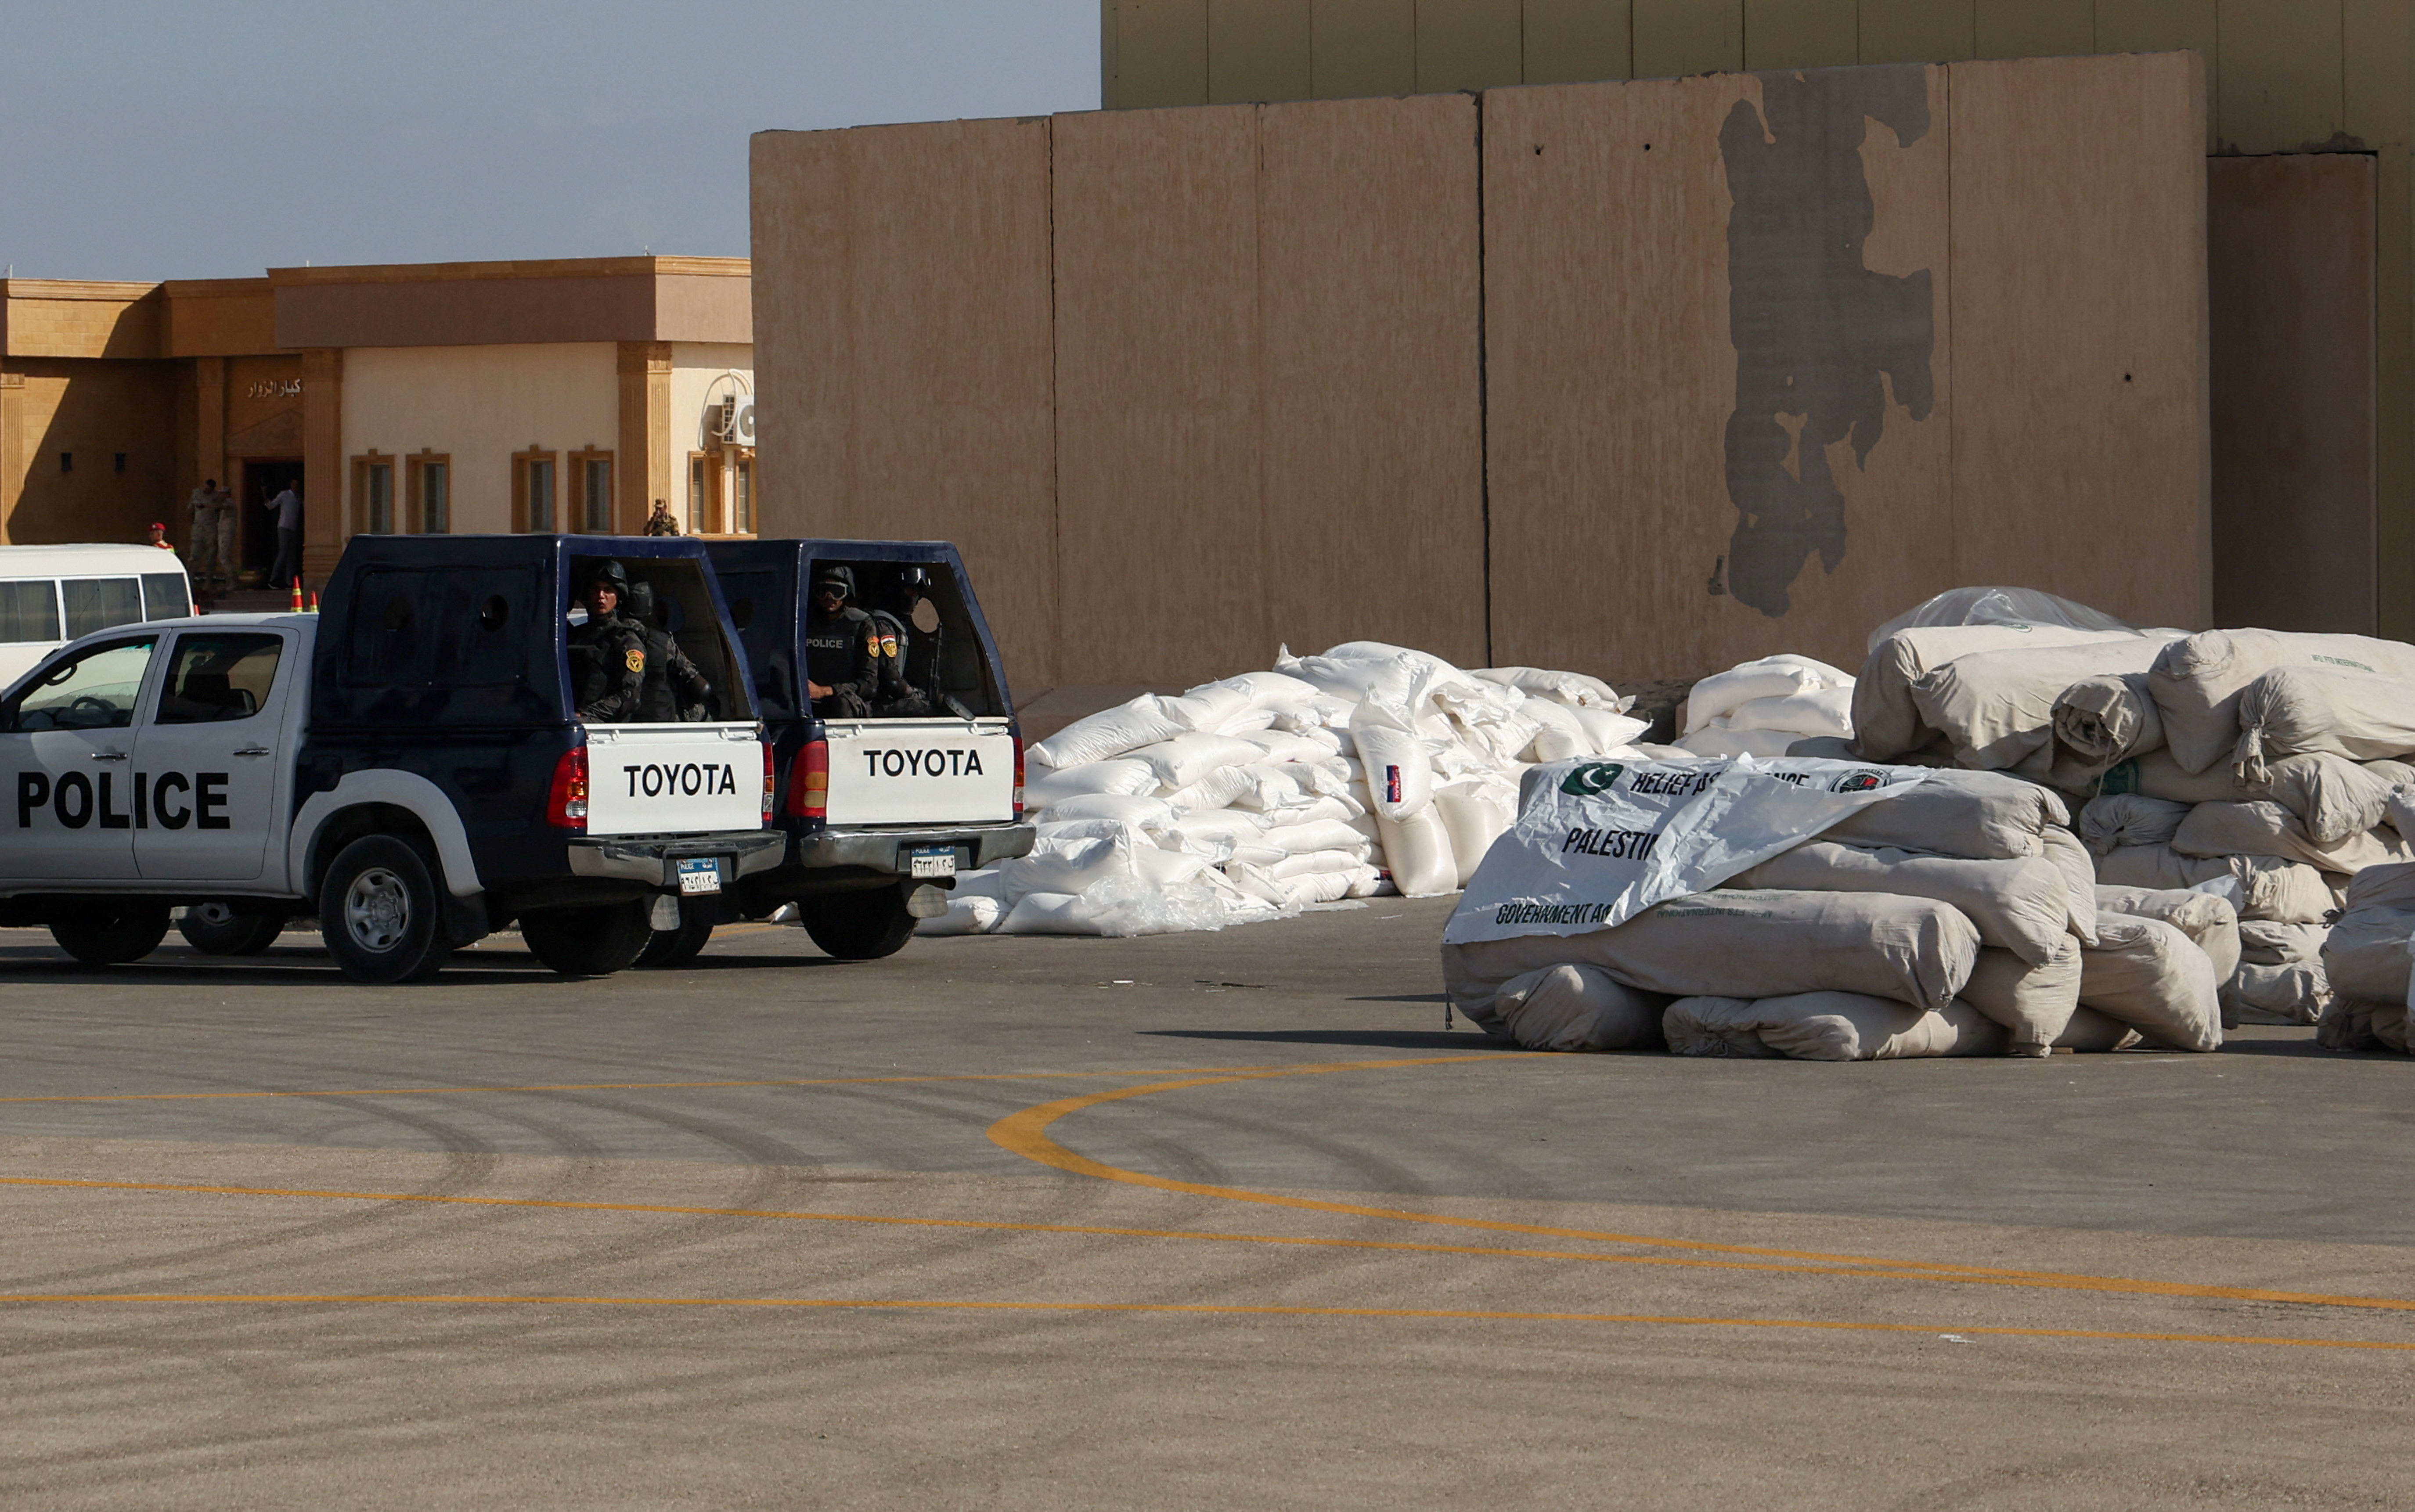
[1814,328]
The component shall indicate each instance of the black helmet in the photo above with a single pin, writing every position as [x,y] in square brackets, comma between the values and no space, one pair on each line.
[608,571]
[639,603]
[841,575]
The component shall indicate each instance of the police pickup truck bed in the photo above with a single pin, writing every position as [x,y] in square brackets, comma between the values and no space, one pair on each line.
[882,807]
[408,766]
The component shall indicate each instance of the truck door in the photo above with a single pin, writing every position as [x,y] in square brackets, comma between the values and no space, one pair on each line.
[67,743]
[207,758]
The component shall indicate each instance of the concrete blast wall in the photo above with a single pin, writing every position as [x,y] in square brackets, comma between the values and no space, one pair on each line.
[1639,379]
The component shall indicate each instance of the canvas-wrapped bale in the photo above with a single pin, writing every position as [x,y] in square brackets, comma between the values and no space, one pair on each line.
[1887,722]
[1569,1007]
[2197,680]
[2107,718]
[1996,709]
[1979,816]
[1827,1026]
[2020,906]
[2206,917]
[2263,828]
[2034,1002]
[2289,892]
[2365,954]
[1763,707]
[2113,819]
[2154,978]
[2297,711]
[2295,992]
[2362,1024]
[1750,945]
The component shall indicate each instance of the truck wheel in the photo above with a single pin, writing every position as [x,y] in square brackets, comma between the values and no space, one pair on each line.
[859,926]
[380,914]
[677,947]
[214,929]
[106,934]
[590,942]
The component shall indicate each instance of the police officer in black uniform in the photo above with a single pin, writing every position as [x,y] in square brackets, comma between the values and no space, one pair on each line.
[608,653]
[896,698]
[675,690]
[842,661]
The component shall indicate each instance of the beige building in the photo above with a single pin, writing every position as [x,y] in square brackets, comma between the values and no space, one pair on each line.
[2309,116]
[463,398]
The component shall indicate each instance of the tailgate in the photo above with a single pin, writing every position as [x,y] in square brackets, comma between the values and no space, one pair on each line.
[920,770]
[673,779]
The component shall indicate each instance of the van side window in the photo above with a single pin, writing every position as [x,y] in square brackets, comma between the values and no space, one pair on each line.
[414,628]
[219,676]
[29,611]
[99,603]
[164,596]
[92,690]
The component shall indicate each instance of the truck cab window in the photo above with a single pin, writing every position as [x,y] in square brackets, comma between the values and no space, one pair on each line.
[215,677]
[93,690]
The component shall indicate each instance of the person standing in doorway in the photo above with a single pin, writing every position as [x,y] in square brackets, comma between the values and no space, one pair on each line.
[288,568]
[211,554]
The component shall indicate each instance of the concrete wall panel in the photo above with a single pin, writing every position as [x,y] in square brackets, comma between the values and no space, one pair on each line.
[1373,454]
[2080,454]
[2290,261]
[1162,541]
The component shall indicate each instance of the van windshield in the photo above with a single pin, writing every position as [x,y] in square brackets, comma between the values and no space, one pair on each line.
[893,640]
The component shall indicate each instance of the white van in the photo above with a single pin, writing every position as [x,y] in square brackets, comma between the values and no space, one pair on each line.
[53,595]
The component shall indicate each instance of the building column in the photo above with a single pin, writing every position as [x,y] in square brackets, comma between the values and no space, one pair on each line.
[325,522]
[12,467]
[643,469]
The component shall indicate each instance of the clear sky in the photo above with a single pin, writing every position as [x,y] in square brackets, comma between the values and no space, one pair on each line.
[140,139]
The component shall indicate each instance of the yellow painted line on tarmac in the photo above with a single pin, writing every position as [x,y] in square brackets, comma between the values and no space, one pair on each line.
[1174,1309]
[607,1086]
[1025,1134]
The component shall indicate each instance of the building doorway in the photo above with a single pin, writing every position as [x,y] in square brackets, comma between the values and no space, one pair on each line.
[264,479]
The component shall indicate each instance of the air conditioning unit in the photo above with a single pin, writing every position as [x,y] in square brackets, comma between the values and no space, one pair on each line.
[734,421]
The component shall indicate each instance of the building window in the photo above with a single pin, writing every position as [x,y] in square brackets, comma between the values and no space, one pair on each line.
[431,494]
[66,462]
[373,495]
[699,492]
[533,495]
[742,496]
[119,458]
[590,476]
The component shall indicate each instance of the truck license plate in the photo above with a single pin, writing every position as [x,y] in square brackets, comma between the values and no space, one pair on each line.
[935,860]
[700,875]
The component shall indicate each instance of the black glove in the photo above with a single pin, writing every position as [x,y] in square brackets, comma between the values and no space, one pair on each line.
[850,704]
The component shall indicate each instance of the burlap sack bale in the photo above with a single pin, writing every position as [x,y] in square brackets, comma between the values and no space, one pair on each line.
[2018,906]
[2293,710]
[1997,707]
[2033,1003]
[2293,994]
[2155,979]
[2113,819]
[2288,893]
[1826,1026]
[1979,816]
[2264,943]
[2210,921]
[1748,945]
[2091,1032]
[2263,827]
[2392,773]
[2156,775]
[2197,680]
[2359,1024]
[1886,721]
[1571,1008]
[2064,848]
[2108,718]
[2333,797]
[2365,953]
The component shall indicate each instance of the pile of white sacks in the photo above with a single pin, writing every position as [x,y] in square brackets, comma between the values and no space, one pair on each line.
[1960,918]
[1370,769]
[2260,765]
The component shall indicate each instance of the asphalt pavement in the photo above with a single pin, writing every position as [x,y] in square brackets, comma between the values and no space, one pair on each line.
[1195,1219]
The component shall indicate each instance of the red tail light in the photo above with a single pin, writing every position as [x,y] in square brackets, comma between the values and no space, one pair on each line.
[566,807]
[769,785]
[809,782]
[1018,776]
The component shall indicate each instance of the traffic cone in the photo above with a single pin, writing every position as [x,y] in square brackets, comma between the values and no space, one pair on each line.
[314,602]
[297,595]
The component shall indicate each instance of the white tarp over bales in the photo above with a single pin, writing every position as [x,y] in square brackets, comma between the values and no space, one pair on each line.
[1368,769]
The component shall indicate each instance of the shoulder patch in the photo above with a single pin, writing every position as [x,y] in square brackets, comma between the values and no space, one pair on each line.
[637,660]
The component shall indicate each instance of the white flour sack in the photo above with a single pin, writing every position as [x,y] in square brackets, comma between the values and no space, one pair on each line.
[2197,680]
[1601,840]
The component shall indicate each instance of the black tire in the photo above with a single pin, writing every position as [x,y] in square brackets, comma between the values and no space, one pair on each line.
[382,913]
[108,933]
[859,926]
[213,929]
[677,947]
[590,942]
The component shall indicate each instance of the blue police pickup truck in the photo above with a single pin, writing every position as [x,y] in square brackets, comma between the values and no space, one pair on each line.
[905,767]
[408,765]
